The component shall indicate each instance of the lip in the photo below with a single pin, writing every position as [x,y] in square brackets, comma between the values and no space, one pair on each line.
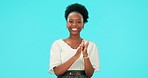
[74,30]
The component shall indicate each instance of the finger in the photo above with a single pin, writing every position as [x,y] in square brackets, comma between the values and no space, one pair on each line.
[85,50]
[82,42]
[82,45]
[80,49]
[86,45]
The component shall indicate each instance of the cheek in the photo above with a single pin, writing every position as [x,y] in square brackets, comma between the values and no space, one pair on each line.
[68,24]
[82,26]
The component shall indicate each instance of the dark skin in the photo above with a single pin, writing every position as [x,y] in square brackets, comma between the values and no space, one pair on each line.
[75,25]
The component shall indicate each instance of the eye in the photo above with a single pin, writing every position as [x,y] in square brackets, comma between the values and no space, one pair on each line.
[79,21]
[70,21]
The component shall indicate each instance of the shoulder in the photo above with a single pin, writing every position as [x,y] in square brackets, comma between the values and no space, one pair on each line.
[57,42]
[92,45]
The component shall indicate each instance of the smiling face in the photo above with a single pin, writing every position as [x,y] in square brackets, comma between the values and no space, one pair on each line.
[75,23]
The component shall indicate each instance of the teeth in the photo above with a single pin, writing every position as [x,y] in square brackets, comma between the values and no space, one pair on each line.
[74,29]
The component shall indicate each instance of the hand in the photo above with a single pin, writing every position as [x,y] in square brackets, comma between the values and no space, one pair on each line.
[84,50]
[78,53]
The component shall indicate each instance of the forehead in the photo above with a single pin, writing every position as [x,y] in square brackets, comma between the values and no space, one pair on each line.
[75,15]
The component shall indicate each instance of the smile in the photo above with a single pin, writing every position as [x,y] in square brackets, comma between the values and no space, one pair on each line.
[74,29]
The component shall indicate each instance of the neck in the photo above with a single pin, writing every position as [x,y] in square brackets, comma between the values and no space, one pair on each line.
[74,37]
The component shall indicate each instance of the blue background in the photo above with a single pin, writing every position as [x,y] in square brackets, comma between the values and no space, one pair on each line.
[118,27]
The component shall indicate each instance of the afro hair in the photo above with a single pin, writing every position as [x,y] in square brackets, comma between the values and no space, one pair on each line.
[77,8]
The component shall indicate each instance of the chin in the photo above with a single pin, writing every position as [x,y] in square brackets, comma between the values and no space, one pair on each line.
[74,33]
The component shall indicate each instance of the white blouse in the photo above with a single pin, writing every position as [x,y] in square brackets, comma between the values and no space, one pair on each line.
[60,52]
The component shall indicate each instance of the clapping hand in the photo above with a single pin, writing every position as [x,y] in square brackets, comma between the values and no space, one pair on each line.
[84,48]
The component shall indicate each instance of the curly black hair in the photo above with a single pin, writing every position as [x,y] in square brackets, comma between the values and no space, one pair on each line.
[77,8]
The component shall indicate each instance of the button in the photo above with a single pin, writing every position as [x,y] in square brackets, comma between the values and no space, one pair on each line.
[70,73]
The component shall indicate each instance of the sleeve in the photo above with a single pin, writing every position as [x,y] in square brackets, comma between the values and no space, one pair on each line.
[94,57]
[54,56]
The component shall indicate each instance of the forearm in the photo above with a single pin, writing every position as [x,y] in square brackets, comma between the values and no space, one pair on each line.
[58,70]
[89,70]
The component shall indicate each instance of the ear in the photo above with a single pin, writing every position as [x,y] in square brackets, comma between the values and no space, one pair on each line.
[83,26]
[66,24]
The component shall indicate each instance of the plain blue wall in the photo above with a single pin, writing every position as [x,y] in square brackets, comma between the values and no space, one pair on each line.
[118,27]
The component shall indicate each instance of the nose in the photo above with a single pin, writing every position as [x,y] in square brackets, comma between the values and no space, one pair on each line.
[75,24]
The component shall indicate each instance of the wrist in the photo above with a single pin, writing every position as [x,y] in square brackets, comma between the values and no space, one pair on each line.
[85,55]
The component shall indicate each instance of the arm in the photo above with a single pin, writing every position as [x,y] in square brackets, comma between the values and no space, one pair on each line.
[89,70]
[65,66]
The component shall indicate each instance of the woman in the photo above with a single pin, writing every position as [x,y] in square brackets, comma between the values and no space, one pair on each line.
[74,57]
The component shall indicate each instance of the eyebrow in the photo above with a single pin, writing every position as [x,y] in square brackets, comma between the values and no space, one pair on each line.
[72,19]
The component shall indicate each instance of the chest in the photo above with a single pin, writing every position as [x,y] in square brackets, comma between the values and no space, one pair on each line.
[74,45]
